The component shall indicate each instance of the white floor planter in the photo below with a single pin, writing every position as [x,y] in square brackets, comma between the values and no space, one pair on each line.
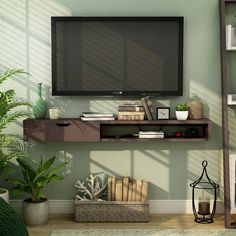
[4,194]
[181,115]
[35,214]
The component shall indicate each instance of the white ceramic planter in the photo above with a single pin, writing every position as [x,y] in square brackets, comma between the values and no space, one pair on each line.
[181,115]
[4,194]
[35,214]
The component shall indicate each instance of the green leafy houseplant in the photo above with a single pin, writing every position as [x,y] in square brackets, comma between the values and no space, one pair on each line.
[36,178]
[181,111]
[10,145]
[181,107]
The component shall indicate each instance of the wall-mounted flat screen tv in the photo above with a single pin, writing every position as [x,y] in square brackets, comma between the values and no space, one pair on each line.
[117,56]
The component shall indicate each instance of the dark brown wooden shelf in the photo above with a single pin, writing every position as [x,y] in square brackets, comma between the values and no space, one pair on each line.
[225,128]
[153,139]
[76,130]
[158,122]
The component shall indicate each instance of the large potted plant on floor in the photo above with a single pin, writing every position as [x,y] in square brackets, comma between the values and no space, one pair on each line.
[10,145]
[35,177]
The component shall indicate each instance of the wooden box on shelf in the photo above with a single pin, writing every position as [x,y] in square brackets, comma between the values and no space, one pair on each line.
[111,211]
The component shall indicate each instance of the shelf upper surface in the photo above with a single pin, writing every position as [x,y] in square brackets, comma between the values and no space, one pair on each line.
[171,121]
[229,1]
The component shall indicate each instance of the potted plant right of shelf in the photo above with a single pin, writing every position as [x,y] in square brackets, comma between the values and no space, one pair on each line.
[35,208]
[181,111]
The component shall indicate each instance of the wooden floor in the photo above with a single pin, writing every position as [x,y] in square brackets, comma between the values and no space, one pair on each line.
[156,221]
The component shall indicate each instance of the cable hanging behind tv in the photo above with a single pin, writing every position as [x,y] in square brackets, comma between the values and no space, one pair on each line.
[117,56]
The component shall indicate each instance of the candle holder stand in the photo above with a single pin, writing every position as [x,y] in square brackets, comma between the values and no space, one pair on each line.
[204,215]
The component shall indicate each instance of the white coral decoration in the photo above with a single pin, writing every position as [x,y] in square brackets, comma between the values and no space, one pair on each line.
[92,189]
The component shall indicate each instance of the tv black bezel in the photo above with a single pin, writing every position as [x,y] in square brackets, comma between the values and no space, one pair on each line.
[118,93]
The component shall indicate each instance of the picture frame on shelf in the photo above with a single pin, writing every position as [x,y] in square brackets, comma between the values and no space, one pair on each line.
[163,113]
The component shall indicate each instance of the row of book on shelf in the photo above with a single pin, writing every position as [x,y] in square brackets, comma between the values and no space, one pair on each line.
[127,190]
[126,111]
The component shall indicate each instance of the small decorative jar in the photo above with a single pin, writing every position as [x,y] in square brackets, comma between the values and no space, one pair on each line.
[195,107]
[40,105]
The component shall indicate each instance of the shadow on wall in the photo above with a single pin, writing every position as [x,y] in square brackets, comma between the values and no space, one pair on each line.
[169,172]
[169,167]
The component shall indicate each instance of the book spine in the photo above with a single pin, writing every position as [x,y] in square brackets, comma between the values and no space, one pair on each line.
[134,190]
[109,188]
[146,108]
[118,193]
[144,195]
[131,113]
[125,186]
[131,108]
[96,118]
[130,191]
[138,190]
[150,106]
[130,117]
[113,188]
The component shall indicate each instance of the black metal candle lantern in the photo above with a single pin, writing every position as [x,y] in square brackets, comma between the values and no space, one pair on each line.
[204,215]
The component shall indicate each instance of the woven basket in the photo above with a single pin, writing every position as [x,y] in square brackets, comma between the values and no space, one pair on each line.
[111,211]
[195,110]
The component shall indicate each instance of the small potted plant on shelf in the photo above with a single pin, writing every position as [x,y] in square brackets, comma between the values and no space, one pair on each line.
[181,111]
[35,208]
[11,146]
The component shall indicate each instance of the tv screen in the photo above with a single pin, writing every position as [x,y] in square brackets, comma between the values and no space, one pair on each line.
[117,56]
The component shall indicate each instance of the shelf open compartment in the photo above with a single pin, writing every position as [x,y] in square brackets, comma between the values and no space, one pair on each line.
[189,130]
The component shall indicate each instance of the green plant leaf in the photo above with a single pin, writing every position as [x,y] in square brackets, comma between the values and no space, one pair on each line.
[17,191]
[35,180]
[10,147]
[5,75]
[47,164]
[181,107]
[41,195]
[43,168]
[27,167]
[6,170]
[17,182]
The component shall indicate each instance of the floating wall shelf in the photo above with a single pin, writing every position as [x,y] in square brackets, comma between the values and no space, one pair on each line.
[76,130]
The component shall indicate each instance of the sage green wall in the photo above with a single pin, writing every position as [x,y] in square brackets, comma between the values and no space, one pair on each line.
[168,166]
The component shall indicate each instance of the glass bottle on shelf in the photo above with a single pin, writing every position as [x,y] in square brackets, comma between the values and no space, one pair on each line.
[40,105]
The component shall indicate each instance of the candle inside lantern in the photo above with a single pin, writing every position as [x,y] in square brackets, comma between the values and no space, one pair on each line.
[204,206]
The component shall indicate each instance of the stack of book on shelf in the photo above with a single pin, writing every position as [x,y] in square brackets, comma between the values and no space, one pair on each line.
[89,116]
[148,107]
[127,190]
[151,134]
[130,111]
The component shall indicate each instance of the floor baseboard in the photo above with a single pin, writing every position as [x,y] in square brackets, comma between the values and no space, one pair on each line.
[156,206]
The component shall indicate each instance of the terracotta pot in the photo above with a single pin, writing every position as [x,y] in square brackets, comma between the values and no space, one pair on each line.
[4,194]
[35,214]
